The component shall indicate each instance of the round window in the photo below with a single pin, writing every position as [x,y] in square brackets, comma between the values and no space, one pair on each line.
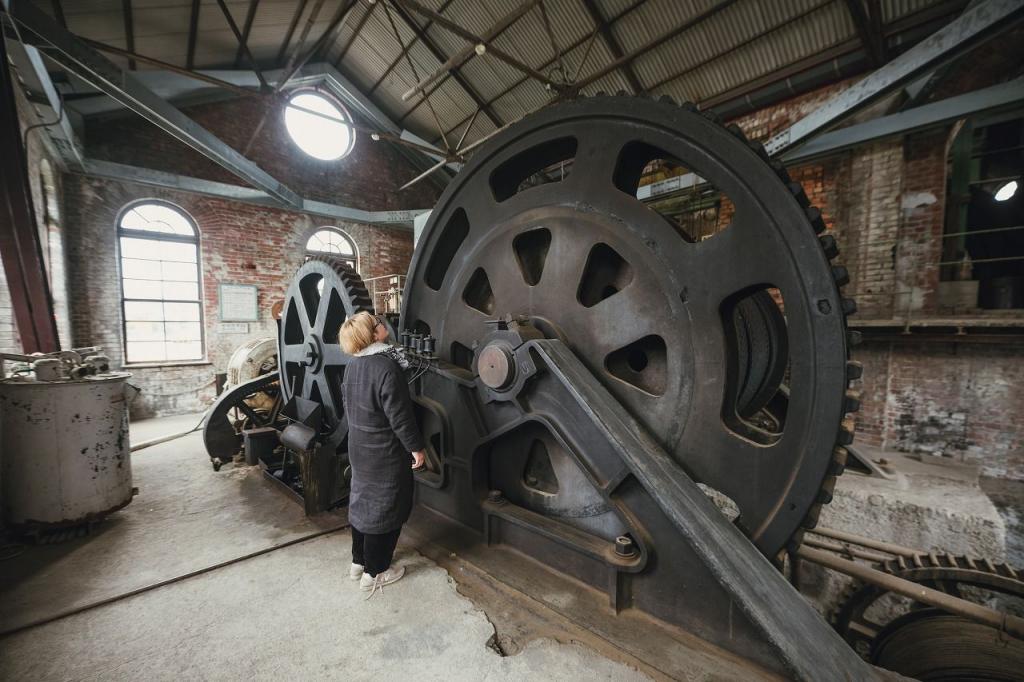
[319,126]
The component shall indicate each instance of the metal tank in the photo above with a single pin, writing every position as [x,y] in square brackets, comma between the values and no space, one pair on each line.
[63,450]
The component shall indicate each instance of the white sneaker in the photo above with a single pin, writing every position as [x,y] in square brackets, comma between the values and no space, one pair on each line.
[377,583]
[355,572]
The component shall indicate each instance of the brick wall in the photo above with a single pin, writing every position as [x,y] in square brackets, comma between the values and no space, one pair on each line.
[239,244]
[885,202]
[368,178]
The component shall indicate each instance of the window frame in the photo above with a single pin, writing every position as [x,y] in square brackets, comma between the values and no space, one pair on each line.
[344,235]
[195,240]
[347,119]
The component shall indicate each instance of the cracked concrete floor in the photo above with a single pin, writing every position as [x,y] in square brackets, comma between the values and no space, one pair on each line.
[289,614]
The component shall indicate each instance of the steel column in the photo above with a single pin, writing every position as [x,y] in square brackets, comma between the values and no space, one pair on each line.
[20,247]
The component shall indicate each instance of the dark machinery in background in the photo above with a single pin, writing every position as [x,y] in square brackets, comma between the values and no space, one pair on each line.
[659,418]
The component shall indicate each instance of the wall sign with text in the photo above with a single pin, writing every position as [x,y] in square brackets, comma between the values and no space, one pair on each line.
[238,303]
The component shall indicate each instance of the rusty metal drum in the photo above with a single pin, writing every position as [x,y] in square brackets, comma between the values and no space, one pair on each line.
[64,453]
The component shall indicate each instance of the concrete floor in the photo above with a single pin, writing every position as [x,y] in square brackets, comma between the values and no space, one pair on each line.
[291,613]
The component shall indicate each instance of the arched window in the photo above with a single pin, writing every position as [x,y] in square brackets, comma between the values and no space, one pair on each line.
[334,242]
[160,291]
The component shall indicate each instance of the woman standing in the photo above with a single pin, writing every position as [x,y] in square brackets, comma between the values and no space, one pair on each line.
[382,436]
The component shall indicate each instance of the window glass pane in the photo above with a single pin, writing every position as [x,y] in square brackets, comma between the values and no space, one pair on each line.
[141,248]
[157,218]
[144,331]
[181,312]
[135,268]
[181,291]
[143,310]
[183,331]
[145,351]
[176,251]
[184,350]
[182,272]
[330,241]
[141,288]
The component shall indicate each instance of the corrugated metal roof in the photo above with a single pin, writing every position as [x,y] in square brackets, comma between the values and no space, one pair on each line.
[740,41]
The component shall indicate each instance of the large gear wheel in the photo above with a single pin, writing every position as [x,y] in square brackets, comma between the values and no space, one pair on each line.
[749,397]
[956,575]
[322,294]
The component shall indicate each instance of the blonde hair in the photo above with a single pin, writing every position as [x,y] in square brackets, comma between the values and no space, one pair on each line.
[357,332]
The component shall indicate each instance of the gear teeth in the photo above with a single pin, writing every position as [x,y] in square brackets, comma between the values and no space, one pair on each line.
[797,190]
[758,149]
[854,338]
[854,370]
[711,116]
[621,93]
[600,93]
[839,456]
[667,99]
[829,246]
[828,489]
[845,435]
[813,514]
[851,401]
[841,275]
[689,106]
[736,131]
[849,306]
[814,215]
[796,540]
[783,174]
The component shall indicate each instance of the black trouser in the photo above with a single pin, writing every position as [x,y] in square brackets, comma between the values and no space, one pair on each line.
[374,551]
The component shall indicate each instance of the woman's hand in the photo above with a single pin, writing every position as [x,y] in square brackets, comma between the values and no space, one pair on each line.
[418,459]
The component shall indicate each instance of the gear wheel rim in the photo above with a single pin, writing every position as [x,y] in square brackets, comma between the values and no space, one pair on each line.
[302,329]
[809,486]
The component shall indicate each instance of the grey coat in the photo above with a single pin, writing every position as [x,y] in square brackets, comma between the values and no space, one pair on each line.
[382,434]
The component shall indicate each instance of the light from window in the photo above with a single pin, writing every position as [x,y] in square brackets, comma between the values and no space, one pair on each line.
[324,135]
[1006,191]
[160,285]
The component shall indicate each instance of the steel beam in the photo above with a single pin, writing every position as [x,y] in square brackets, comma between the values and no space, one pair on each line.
[440,56]
[866,27]
[355,33]
[250,16]
[129,30]
[580,41]
[291,31]
[471,37]
[20,247]
[246,195]
[613,44]
[340,16]
[122,86]
[242,45]
[972,27]
[401,55]
[193,33]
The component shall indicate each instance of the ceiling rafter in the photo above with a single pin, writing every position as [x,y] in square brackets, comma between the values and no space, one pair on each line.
[355,33]
[250,16]
[624,12]
[193,29]
[290,32]
[866,26]
[129,30]
[441,57]
[605,30]
[394,62]
[241,42]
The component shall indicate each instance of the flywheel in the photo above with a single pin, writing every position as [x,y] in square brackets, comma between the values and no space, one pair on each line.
[322,294]
[730,349]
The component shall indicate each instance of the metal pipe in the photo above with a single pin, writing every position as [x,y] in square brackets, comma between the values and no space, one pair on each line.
[1003,622]
[881,546]
[854,552]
